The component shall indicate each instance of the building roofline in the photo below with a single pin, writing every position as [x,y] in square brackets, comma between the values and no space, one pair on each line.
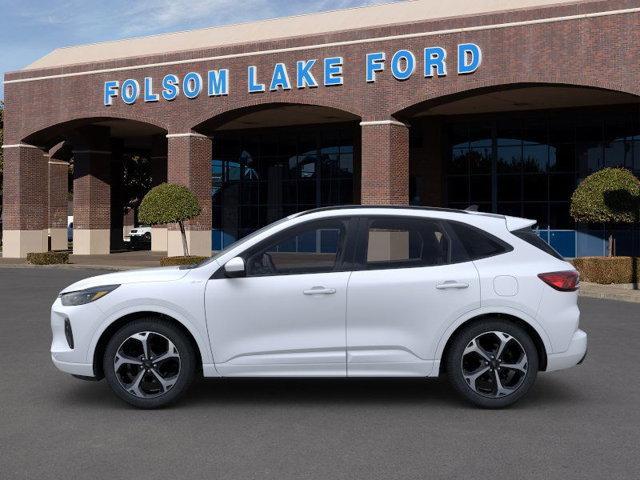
[282,28]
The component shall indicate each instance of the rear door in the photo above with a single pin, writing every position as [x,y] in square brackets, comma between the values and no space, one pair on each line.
[410,283]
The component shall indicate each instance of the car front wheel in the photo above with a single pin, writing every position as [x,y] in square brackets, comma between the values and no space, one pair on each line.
[149,363]
[492,363]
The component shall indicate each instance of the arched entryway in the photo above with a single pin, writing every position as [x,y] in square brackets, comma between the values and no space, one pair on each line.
[270,161]
[521,150]
[100,166]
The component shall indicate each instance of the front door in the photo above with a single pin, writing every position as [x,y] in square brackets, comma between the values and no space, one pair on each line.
[287,316]
[409,286]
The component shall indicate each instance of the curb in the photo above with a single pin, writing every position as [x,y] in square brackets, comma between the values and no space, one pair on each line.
[74,266]
[600,292]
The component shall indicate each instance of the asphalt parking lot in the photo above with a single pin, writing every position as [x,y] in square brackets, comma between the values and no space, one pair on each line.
[578,424]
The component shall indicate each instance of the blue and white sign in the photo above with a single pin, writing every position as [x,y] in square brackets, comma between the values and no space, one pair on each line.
[307,73]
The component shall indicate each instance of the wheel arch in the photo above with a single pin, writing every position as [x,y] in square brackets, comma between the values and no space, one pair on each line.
[114,326]
[527,326]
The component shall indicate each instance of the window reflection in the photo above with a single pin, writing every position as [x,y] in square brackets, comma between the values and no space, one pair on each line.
[259,176]
[538,157]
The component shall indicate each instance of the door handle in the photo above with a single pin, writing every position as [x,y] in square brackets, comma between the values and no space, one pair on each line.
[319,291]
[451,284]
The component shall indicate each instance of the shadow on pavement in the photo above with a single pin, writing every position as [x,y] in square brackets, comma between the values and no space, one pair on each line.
[234,393]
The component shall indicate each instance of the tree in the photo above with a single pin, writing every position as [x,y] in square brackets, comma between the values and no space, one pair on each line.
[136,180]
[170,203]
[611,195]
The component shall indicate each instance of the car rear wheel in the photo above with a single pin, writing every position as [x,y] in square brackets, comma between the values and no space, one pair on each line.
[492,363]
[149,363]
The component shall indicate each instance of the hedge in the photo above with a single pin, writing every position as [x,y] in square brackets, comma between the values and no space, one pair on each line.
[48,258]
[606,270]
[190,260]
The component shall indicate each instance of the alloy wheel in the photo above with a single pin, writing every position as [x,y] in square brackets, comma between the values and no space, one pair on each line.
[147,364]
[494,364]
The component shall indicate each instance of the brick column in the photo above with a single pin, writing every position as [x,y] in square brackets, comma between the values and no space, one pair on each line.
[58,191]
[385,163]
[92,192]
[116,240]
[25,212]
[189,164]
[158,175]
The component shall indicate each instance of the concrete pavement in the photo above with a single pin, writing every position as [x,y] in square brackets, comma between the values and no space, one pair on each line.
[576,424]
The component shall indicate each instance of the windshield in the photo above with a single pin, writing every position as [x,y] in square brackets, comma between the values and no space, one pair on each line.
[239,242]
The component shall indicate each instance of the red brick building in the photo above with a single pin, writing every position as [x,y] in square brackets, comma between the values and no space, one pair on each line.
[435,103]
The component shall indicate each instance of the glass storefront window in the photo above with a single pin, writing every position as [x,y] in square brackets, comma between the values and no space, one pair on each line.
[535,160]
[259,176]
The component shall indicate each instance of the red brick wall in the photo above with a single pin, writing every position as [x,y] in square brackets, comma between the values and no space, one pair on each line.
[25,177]
[189,164]
[91,190]
[599,52]
[385,164]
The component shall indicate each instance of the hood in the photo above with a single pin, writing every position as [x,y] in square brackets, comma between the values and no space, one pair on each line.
[164,274]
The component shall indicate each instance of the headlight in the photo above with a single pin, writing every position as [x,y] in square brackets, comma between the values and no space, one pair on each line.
[81,297]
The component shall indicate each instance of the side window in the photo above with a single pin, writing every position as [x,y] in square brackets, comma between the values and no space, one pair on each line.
[397,242]
[476,243]
[315,247]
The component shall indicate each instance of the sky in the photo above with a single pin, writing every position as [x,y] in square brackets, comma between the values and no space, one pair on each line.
[29,29]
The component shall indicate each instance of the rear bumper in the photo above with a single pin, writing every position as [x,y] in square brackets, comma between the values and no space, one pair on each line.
[574,355]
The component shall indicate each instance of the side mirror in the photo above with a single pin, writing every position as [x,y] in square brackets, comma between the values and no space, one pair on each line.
[235,268]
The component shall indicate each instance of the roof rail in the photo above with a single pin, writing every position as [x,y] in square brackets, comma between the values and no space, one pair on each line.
[398,207]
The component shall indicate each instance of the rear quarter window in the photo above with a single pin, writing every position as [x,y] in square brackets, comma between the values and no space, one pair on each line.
[532,238]
[477,243]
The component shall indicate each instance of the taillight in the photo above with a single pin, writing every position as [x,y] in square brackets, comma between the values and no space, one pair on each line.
[563,281]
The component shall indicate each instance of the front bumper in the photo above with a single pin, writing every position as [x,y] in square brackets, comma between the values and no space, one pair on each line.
[574,355]
[74,358]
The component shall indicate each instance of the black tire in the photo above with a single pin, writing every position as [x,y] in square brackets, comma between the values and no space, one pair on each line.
[187,362]
[523,381]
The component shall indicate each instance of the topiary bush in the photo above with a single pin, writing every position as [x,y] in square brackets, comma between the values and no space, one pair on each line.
[611,195]
[606,270]
[170,203]
[48,258]
[172,261]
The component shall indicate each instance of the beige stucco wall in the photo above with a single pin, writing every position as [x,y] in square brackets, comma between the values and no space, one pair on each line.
[17,243]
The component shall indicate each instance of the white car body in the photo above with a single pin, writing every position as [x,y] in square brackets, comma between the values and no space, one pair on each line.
[138,232]
[393,322]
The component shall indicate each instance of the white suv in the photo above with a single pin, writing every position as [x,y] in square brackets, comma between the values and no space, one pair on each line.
[335,292]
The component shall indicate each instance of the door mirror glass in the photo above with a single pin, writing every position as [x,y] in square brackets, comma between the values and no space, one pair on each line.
[235,268]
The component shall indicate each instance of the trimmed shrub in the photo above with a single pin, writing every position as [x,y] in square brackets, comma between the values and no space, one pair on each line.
[170,203]
[172,261]
[611,195]
[48,258]
[606,270]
